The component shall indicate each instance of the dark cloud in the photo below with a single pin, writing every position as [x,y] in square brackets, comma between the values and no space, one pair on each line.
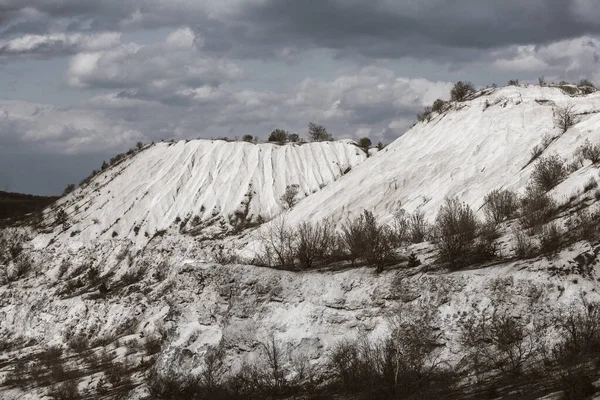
[452,29]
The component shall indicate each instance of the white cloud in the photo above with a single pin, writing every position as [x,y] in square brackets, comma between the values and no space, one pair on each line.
[56,44]
[367,102]
[159,71]
[571,59]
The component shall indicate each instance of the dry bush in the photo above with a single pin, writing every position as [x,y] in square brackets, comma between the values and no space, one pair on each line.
[499,205]
[365,239]
[118,373]
[425,115]
[497,342]
[134,275]
[11,245]
[276,244]
[565,117]
[79,343]
[523,246]
[438,106]
[551,239]
[403,364]
[412,228]
[590,152]
[548,172]
[579,329]
[22,266]
[153,344]
[584,225]
[313,242]
[345,363]
[318,133]
[290,196]
[67,390]
[537,207]
[418,227]
[455,231]
[461,90]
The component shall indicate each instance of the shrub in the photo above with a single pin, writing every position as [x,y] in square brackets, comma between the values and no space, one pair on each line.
[318,133]
[576,385]
[455,230]
[497,342]
[79,343]
[133,275]
[548,172]
[438,106]
[551,239]
[418,227]
[250,138]
[586,83]
[584,225]
[536,152]
[276,244]
[289,197]
[67,390]
[499,205]
[579,329]
[592,183]
[345,364]
[70,188]
[565,117]
[424,115]
[278,135]
[513,82]
[403,364]
[365,143]
[365,238]
[536,207]
[313,242]
[61,217]
[522,245]
[587,151]
[22,266]
[461,90]
[293,137]
[153,344]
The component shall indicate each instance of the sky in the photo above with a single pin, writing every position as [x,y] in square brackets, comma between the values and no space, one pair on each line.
[83,80]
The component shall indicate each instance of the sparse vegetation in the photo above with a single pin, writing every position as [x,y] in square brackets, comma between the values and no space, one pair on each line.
[70,188]
[365,239]
[551,239]
[290,196]
[424,115]
[365,144]
[587,151]
[318,133]
[499,205]
[278,135]
[461,90]
[438,106]
[455,231]
[537,207]
[548,172]
[565,117]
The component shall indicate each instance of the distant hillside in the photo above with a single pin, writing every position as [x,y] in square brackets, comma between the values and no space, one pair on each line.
[13,206]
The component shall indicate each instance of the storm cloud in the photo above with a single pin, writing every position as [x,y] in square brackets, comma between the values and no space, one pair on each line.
[114,72]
